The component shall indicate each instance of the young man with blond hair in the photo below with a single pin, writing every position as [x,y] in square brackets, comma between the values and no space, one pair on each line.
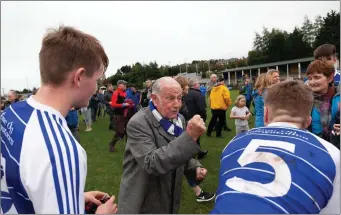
[43,167]
[281,168]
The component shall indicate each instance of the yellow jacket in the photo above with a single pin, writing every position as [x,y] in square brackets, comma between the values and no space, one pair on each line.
[220,98]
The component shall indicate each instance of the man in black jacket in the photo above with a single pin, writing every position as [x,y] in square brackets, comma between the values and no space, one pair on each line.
[196,104]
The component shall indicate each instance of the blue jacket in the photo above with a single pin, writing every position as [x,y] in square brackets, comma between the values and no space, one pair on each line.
[203,90]
[247,91]
[72,119]
[259,109]
[133,96]
[316,126]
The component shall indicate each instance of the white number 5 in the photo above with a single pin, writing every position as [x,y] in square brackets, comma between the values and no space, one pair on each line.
[282,182]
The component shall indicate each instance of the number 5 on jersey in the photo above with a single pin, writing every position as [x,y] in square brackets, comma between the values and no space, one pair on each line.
[282,182]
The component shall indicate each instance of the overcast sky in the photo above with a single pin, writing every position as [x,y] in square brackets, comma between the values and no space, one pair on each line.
[169,32]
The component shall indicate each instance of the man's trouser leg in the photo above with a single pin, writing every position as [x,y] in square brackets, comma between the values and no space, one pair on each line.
[119,131]
[75,134]
[213,122]
[221,115]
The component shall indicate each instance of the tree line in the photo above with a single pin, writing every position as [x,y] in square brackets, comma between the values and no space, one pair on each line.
[270,45]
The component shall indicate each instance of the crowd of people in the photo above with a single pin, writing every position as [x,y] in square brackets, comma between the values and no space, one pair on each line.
[288,163]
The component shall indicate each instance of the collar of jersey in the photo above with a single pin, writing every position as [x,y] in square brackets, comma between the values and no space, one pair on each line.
[43,107]
[282,124]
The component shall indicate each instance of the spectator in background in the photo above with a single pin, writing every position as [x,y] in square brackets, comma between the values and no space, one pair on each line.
[203,90]
[86,111]
[12,98]
[326,98]
[147,93]
[184,86]
[220,100]
[2,105]
[20,97]
[93,105]
[109,109]
[134,96]
[196,105]
[240,113]
[274,76]
[34,91]
[72,122]
[139,96]
[201,195]
[101,104]
[211,84]
[117,102]
[246,90]
[328,52]
[263,81]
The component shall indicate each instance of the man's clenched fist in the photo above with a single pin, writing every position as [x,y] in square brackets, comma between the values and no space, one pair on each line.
[196,127]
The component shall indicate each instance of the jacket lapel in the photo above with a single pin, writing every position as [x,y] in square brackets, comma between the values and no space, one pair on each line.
[156,124]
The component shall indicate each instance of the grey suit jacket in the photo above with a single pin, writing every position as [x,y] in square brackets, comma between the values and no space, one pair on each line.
[153,166]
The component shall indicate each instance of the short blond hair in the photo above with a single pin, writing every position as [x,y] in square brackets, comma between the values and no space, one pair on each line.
[240,97]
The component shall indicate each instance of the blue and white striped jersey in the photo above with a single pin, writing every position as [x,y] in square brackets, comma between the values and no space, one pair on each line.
[279,169]
[43,168]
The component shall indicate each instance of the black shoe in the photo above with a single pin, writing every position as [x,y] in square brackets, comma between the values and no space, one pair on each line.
[220,136]
[202,154]
[205,196]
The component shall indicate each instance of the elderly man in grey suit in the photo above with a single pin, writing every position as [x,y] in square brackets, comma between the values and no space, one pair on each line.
[159,151]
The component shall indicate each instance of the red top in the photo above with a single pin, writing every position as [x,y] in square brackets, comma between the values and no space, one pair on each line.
[117,98]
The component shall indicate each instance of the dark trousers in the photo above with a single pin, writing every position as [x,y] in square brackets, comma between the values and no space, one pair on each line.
[217,115]
[120,129]
[248,104]
[94,113]
[75,134]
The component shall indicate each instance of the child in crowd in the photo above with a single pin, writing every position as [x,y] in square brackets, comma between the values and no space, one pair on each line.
[241,114]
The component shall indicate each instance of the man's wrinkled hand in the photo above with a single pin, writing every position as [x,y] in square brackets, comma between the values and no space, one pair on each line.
[201,173]
[196,127]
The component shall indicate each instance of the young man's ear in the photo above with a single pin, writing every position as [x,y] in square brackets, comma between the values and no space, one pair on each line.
[78,76]
[266,116]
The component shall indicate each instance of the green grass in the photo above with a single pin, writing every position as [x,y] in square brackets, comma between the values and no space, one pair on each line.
[105,168]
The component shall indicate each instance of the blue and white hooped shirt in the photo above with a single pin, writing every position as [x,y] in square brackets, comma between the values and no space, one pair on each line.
[278,169]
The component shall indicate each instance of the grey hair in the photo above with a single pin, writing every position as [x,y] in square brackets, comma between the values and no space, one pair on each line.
[161,82]
[192,82]
[213,75]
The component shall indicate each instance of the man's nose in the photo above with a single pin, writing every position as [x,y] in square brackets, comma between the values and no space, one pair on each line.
[178,104]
